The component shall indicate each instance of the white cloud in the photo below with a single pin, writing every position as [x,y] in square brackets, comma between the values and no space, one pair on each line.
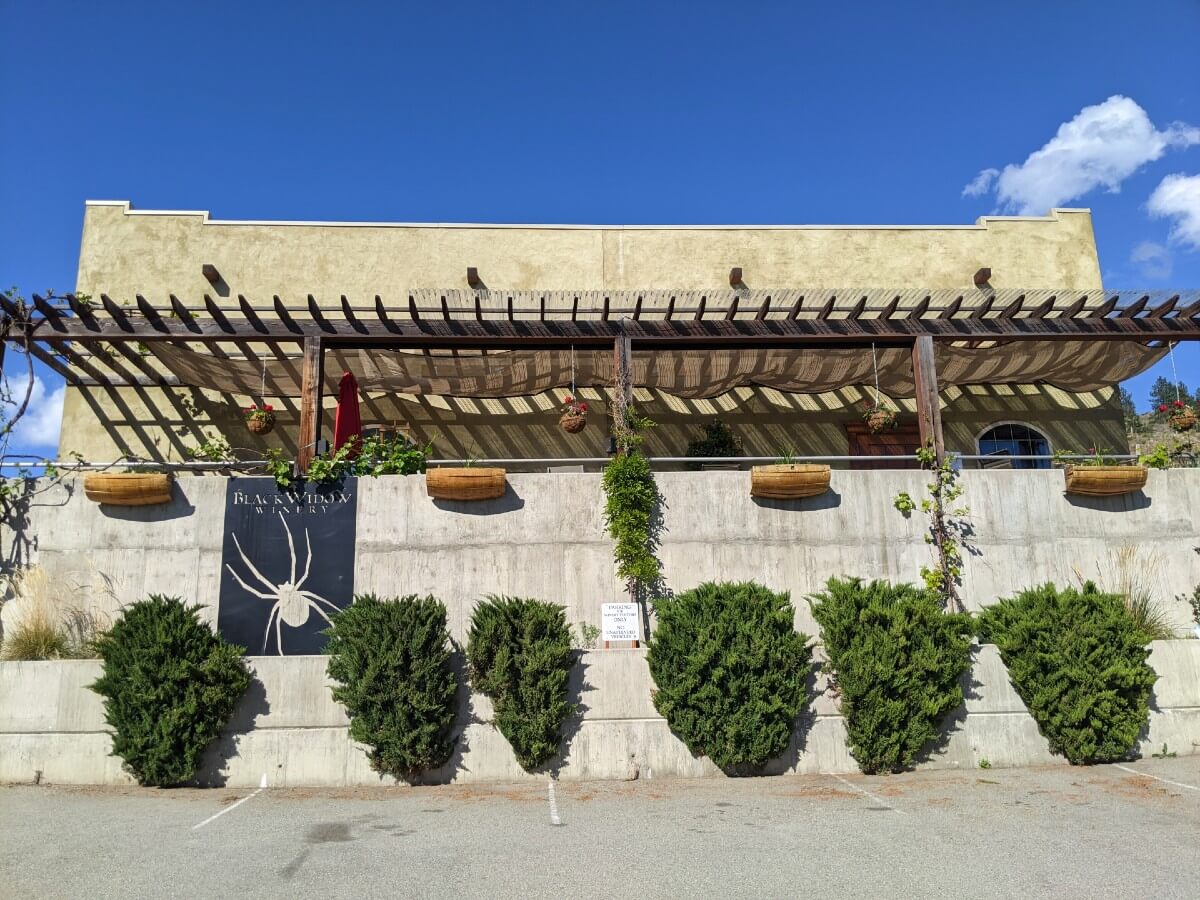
[1153,260]
[37,430]
[1177,197]
[981,184]
[1099,148]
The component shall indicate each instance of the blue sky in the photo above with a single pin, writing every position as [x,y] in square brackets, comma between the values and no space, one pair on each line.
[603,113]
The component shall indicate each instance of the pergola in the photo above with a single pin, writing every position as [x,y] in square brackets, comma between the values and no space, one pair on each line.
[96,342]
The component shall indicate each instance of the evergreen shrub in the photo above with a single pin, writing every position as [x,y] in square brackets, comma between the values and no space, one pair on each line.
[1078,660]
[897,658]
[730,670]
[519,655]
[391,660]
[169,684]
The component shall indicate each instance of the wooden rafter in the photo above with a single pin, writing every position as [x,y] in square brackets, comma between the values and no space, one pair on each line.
[652,319]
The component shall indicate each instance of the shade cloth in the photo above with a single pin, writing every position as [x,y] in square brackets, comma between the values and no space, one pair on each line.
[347,421]
[1077,366]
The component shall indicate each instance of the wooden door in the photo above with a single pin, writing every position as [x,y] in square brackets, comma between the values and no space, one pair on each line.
[903,440]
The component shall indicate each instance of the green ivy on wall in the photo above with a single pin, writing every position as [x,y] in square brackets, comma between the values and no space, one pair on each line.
[631,502]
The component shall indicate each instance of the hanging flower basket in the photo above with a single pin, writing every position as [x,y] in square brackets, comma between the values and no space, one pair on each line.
[1181,416]
[574,416]
[879,418]
[260,420]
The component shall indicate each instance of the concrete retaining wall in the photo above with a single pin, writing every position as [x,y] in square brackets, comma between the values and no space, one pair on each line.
[545,538]
[289,728]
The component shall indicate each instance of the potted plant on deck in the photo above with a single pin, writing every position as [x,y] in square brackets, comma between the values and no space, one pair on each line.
[718,441]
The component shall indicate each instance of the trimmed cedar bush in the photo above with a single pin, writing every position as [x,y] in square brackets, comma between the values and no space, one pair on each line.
[897,659]
[1078,660]
[169,684]
[391,659]
[631,497]
[519,654]
[730,671]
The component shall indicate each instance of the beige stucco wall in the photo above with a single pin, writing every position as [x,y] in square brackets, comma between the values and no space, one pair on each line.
[126,252]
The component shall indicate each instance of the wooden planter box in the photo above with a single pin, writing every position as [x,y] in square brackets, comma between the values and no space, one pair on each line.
[470,483]
[128,489]
[1104,481]
[789,482]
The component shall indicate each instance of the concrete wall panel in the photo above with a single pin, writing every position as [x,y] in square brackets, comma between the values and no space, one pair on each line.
[289,729]
[546,539]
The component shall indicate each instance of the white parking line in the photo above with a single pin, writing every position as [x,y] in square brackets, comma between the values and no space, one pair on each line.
[554,819]
[1190,787]
[261,787]
[867,794]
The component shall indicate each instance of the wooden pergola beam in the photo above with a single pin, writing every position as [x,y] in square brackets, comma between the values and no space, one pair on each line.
[52,363]
[218,315]
[116,313]
[64,350]
[131,354]
[454,320]
[526,333]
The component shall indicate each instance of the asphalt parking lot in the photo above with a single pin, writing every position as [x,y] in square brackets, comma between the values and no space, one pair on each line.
[1103,831]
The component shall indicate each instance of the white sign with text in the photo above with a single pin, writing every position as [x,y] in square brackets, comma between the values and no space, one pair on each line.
[620,622]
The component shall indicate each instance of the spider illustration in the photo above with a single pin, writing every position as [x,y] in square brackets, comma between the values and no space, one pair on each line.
[293,604]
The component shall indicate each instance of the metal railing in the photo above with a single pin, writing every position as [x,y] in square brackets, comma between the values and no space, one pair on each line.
[76,465]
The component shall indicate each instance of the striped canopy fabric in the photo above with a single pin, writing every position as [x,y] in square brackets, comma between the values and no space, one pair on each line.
[1075,366]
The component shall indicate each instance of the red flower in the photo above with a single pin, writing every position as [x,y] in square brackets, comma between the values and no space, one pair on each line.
[1162,407]
[569,399]
[1179,404]
[267,407]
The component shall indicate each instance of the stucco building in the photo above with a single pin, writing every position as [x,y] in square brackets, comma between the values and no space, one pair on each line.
[346,266]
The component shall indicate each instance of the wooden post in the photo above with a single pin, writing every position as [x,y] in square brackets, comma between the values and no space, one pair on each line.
[310,401]
[929,410]
[622,381]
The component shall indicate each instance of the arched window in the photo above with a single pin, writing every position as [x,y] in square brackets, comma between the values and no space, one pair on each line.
[1013,439]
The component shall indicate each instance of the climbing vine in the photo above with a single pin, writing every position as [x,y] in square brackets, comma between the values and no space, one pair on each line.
[631,502]
[948,530]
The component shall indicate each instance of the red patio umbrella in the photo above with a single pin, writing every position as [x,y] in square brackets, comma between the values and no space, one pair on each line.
[347,423]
